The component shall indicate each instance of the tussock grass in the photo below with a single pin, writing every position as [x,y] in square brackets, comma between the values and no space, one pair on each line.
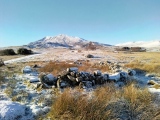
[57,67]
[147,67]
[146,61]
[105,102]
[1,78]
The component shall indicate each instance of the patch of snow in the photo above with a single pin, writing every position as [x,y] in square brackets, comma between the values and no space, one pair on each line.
[14,111]
[145,44]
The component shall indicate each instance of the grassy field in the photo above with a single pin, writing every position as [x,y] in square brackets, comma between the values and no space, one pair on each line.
[147,61]
[4,58]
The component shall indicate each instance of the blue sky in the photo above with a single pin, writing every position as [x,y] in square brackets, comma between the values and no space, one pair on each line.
[104,21]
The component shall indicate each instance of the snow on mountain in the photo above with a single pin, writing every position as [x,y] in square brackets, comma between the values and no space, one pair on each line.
[58,41]
[149,44]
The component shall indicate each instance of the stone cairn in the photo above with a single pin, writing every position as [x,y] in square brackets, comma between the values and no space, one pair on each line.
[72,78]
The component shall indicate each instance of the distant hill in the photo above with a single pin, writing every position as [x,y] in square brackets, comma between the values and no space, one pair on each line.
[149,44]
[61,41]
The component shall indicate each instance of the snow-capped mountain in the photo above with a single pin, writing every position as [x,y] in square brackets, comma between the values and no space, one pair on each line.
[145,44]
[61,41]
[58,41]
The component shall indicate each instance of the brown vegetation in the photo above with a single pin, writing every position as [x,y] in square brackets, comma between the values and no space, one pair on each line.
[106,102]
[56,67]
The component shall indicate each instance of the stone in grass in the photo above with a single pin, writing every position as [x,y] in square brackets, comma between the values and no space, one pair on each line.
[71,69]
[27,69]
[131,72]
[34,79]
[114,77]
[90,56]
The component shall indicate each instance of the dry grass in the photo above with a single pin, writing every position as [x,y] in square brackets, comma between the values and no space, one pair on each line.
[77,106]
[4,58]
[147,67]
[146,61]
[156,86]
[57,67]
[105,102]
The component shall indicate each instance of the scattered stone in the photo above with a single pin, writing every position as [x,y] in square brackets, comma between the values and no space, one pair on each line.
[90,56]
[27,69]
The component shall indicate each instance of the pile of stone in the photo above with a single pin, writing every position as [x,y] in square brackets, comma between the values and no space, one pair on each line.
[71,77]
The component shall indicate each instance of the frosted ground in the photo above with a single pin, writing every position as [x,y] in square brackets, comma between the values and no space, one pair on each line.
[35,103]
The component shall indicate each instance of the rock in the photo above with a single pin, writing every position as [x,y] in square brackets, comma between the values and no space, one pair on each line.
[114,77]
[150,75]
[105,77]
[123,76]
[90,56]
[34,79]
[72,69]
[99,80]
[48,79]
[131,72]
[85,84]
[73,74]
[79,79]
[62,84]
[71,78]
[97,73]
[27,69]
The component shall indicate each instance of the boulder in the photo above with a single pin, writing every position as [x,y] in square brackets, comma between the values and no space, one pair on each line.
[27,69]
[48,79]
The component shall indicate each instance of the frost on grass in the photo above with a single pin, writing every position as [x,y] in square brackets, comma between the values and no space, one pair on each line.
[14,111]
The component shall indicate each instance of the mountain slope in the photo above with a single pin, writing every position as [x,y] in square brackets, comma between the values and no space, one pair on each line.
[57,41]
[62,41]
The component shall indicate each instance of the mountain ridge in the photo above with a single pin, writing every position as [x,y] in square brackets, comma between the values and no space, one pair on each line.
[61,40]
